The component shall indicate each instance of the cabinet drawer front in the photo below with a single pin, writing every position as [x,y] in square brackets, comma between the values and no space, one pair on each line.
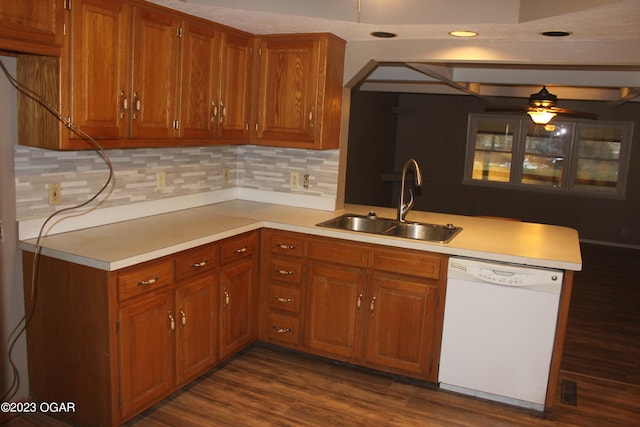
[285,271]
[145,278]
[287,244]
[196,261]
[238,247]
[284,328]
[409,262]
[282,298]
[338,252]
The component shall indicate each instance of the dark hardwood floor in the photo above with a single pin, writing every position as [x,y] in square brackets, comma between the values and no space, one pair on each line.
[264,386]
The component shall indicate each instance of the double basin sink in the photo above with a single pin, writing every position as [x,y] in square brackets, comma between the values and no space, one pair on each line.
[389,227]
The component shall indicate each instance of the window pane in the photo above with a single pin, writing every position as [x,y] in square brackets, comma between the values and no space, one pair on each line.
[492,150]
[545,152]
[598,158]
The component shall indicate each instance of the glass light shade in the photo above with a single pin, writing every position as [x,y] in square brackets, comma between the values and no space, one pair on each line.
[541,117]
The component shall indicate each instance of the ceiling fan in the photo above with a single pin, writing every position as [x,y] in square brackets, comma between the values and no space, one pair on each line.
[542,108]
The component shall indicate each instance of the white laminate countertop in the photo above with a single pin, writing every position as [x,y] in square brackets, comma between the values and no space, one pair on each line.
[122,244]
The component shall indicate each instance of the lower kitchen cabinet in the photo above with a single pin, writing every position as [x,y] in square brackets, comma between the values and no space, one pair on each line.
[334,310]
[237,292]
[115,343]
[401,315]
[361,303]
[237,310]
[146,349]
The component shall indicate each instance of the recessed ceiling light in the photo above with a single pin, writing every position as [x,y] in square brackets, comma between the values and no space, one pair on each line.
[556,33]
[383,34]
[463,33]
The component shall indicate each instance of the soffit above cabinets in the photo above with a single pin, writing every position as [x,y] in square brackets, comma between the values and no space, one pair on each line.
[610,84]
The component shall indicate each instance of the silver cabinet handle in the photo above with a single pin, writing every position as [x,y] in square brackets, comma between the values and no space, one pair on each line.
[200,264]
[281,330]
[214,111]
[148,282]
[172,322]
[183,318]
[240,251]
[285,272]
[285,246]
[226,299]
[372,306]
[281,299]
[125,104]
[359,302]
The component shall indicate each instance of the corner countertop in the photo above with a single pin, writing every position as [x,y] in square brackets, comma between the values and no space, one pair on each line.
[123,244]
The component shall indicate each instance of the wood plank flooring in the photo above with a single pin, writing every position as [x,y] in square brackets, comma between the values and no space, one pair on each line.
[264,386]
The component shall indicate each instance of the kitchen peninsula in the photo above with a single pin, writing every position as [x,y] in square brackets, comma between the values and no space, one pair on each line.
[241,271]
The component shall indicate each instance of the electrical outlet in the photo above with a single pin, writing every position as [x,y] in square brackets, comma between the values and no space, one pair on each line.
[161,181]
[55,193]
[305,181]
[294,179]
[225,175]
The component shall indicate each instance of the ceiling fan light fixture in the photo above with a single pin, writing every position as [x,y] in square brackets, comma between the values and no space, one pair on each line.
[541,116]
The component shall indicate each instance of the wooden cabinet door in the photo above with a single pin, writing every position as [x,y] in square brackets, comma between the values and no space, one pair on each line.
[25,21]
[147,345]
[288,90]
[335,309]
[401,313]
[237,307]
[100,73]
[199,80]
[155,66]
[197,326]
[235,87]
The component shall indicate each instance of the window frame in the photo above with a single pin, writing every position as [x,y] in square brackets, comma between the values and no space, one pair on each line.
[570,169]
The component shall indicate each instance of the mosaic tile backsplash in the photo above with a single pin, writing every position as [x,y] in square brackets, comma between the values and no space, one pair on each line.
[188,170]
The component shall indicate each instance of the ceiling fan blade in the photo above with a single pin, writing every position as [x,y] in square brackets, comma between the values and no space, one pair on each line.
[573,113]
[507,109]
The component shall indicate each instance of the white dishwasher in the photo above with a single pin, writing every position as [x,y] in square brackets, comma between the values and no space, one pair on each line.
[499,331]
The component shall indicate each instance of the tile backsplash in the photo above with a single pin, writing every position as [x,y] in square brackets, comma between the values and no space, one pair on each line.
[188,171]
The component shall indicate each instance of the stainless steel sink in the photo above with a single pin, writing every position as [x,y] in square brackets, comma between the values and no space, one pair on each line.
[364,223]
[389,227]
[422,231]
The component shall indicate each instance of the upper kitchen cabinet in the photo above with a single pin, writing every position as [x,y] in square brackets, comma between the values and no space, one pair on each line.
[154,94]
[33,26]
[299,91]
[100,77]
[236,65]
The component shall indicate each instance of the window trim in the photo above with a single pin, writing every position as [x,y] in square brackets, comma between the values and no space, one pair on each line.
[518,147]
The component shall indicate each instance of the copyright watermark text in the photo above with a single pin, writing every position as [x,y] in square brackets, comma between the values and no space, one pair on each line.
[30,407]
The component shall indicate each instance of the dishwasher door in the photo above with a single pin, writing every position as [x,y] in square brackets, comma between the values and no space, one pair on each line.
[499,331]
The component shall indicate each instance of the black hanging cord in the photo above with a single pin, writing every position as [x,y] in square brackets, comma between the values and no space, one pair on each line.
[21,327]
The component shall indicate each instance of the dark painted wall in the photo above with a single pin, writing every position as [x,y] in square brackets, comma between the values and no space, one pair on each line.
[433,130]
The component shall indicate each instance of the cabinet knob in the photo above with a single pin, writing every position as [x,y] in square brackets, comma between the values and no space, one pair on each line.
[282,299]
[285,272]
[200,264]
[172,322]
[285,246]
[226,299]
[372,306]
[148,282]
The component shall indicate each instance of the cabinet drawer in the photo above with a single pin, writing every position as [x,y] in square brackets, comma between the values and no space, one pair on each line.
[414,263]
[285,271]
[149,276]
[338,252]
[238,247]
[196,261]
[282,298]
[286,244]
[284,328]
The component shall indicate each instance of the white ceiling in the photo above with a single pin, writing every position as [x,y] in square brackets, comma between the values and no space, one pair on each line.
[610,22]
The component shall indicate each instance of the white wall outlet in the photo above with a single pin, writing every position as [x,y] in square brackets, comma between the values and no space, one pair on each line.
[161,181]
[225,175]
[55,193]
[294,179]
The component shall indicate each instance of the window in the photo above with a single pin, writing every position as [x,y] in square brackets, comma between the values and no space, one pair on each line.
[588,157]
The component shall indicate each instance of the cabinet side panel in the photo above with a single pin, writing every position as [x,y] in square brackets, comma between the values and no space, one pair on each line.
[69,352]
